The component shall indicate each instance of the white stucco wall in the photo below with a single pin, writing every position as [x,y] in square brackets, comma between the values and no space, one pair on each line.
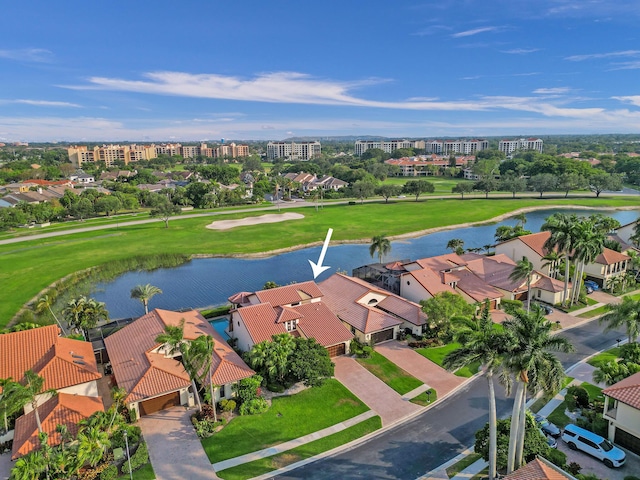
[627,418]
[516,249]
[411,289]
[88,389]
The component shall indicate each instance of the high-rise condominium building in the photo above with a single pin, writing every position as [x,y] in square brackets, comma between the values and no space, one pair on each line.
[293,150]
[510,146]
[110,154]
[446,147]
[231,150]
[388,146]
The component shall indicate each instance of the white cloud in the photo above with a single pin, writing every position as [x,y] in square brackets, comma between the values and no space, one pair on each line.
[626,65]
[520,51]
[592,56]
[552,90]
[44,103]
[475,31]
[28,54]
[632,99]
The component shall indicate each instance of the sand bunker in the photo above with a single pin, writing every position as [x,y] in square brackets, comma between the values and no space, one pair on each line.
[270,218]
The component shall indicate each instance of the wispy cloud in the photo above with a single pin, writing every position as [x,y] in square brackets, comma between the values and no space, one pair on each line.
[625,65]
[593,56]
[475,31]
[44,103]
[552,90]
[28,55]
[520,51]
[632,99]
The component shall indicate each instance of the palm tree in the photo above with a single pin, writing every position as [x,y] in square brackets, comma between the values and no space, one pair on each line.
[29,391]
[380,244]
[456,245]
[521,218]
[588,244]
[73,312]
[612,372]
[534,366]
[625,314]
[198,360]
[524,270]
[481,342]
[92,445]
[83,313]
[29,467]
[45,304]
[118,395]
[144,293]
[553,259]
[12,399]
[562,238]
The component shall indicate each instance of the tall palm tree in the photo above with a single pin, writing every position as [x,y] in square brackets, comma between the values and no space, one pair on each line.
[481,342]
[456,245]
[625,314]
[29,391]
[553,259]
[534,366]
[118,394]
[198,361]
[45,303]
[380,244]
[83,313]
[144,293]
[562,237]
[588,244]
[524,270]
[12,399]
[92,445]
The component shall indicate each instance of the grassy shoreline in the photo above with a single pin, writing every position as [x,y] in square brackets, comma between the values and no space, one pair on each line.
[29,267]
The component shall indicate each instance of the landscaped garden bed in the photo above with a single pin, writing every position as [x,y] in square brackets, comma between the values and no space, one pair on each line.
[288,418]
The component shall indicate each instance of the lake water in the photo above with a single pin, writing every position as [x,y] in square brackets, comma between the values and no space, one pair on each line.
[210,281]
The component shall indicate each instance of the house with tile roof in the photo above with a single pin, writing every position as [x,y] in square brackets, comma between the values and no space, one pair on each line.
[625,232]
[298,309]
[371,313]
[155,379]
[622,411]
[607,265]
[62,409]
[539,469]
[67,365]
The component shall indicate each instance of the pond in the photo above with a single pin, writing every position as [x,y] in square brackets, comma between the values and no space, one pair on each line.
[207,282]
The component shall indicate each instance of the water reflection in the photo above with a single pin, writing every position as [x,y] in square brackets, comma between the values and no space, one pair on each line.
[205,282]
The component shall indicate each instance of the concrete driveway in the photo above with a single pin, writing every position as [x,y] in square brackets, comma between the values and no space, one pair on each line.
[376,394]
[420,367]
[174,448]
[590,464]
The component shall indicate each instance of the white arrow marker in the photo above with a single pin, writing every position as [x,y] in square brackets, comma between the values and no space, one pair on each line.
[318,269]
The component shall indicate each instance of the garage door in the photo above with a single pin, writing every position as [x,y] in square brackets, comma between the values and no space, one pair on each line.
[335,350]
[626,440]
[153,405]
[382,336]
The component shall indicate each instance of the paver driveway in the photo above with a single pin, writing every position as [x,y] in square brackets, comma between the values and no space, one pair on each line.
[376,394]
[174,447]
[420,367]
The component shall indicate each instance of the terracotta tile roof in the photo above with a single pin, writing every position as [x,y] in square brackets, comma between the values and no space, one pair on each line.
[286,314]
[410,311]
[395,266]
[289,294]
[430,281]
[260,321]
[442,262]
[319,322]
[608,257]
[341,296]
[626,391]
[240,298]
[538,470]
[63,409]
[549,284]
[535,241]
[475,287]
[143,372]
[495,271]
[227,366]
[61,361]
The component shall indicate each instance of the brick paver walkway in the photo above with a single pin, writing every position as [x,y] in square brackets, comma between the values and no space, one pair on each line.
[420,367]
[376,394]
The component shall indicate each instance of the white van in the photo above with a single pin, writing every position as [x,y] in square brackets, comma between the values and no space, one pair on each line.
[580,439]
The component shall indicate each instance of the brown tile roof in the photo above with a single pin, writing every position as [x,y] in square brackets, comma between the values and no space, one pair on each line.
[549,284]
[608,257]
[442,262]
[63,409]
[143,372]
[341,296]
[260,321]
[62,362]
[538,470]
[475,287]
[494,270]
[319,322]
[626,391]
[240,298]
[410,311]
[289,294]
[535,241]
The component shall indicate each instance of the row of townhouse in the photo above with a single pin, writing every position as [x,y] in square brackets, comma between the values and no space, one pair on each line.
[34,191]
[110,154]
[310,182]
[426,165]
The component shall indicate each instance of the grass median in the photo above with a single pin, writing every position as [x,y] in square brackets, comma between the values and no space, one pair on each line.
[29,267]
[288,418]
[387,371]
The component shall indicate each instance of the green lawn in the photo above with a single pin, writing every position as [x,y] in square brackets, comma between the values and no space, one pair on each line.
[443,185]
[457,467]
[558,416]
[387,371]
[595,392]
[635,297]
[29,267]
[610,355]
[143,473]
[595,312]
[288,418]
[437,354]
[425,399]
[265,465]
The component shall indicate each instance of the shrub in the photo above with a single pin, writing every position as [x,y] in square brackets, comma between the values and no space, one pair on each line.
[511,306]
[366,351]
[275,387]
[95,472]
[253,407]
[573,468]
[587,476]
[138,459]
[248,388]
[206,413]
[205,427]
[133,434]
[580,394]
[630,352]
[426,343]
[109,473]
[557,457]
[227,405]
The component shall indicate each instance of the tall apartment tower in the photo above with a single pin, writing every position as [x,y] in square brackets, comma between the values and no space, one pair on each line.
[387,146]
[510,146]
[293,150]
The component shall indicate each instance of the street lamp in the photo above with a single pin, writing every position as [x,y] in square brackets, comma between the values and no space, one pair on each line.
[429,396]
[618,340]
[126,442]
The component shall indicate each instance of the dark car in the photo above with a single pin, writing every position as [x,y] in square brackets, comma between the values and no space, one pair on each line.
[546,309]
[546,426]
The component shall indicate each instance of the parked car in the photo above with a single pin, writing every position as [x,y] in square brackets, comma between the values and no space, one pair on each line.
[546,309]
[580,439]
[546,426]
[552,442]
[589,290]
[591,284]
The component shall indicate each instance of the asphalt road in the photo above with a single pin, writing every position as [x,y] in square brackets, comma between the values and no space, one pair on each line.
[442,432]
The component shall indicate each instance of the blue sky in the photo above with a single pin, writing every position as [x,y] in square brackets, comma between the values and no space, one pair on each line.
[255,69]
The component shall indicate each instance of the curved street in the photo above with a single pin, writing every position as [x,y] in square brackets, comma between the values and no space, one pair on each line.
[412,449]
